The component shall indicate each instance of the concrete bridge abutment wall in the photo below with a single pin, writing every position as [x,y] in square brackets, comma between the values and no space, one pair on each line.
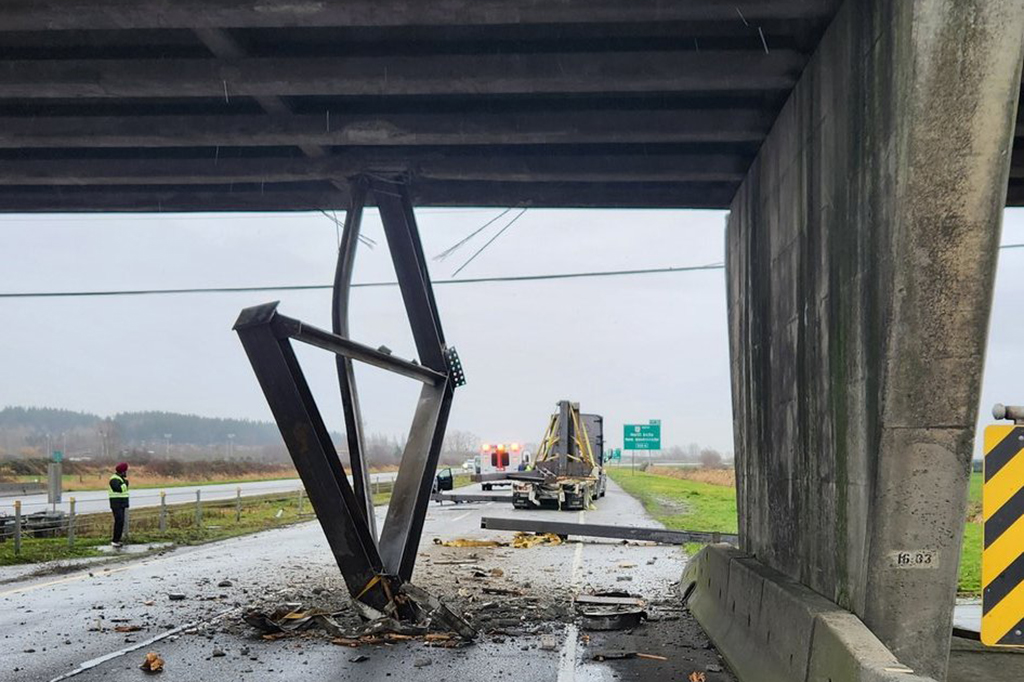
[861,252]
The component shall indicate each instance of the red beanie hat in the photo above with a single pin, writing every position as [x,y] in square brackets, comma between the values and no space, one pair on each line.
[121,468]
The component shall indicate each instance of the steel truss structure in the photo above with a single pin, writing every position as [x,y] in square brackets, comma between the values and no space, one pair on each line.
[376,569]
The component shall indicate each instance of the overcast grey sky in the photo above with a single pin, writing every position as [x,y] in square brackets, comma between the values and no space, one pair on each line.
[630,348]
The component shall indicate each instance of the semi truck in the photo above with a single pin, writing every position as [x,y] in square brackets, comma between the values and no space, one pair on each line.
[567,471]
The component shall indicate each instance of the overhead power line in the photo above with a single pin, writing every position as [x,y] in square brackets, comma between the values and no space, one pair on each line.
[489,242]
[374,285]
[451,249]
[358,285]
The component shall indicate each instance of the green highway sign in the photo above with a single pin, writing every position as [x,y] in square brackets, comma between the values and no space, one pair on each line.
[642,436]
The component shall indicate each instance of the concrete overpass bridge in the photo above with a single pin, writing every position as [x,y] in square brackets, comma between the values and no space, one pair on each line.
[864,148]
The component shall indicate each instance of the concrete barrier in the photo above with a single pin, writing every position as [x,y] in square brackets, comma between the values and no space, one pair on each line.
[772,629]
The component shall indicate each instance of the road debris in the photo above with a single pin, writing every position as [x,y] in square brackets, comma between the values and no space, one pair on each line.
[501,591]
[439,624]
[224,583]
[651,657]
[217,653]
[176,596]
[528,540]
[621,655]
[359,659]
[697,676]
[127,628]
[345,641]
[153,663]
[610,610]
[469,542]
[612,655]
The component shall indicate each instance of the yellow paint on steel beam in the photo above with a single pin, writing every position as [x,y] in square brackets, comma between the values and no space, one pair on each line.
[1002,560]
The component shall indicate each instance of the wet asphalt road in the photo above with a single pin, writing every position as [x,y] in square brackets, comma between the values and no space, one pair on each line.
[52,626]
[87,501]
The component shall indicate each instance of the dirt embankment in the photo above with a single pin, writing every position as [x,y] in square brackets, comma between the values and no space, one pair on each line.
[724,477]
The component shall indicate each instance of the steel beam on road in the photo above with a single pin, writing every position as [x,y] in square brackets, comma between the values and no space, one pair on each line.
[661,535]
[374,571]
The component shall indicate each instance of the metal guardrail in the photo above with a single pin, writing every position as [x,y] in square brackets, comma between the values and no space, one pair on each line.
[18,525]
[11,489]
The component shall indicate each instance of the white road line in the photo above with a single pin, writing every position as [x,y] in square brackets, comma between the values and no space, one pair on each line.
[459,518]
[89,665]
[96,573]
[577,558]
[567,657]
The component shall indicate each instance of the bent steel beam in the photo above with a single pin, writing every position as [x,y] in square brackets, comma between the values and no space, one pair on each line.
[346,371]
[374,570]
[267,343]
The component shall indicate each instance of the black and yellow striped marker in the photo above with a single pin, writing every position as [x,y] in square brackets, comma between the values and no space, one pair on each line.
[1002,561]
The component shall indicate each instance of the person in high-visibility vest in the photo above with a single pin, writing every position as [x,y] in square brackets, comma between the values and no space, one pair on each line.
[118,500]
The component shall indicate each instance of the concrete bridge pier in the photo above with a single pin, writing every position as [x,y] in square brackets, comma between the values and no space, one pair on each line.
[861,250]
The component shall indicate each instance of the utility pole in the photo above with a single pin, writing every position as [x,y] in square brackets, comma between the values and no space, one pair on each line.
[167,445]
[231,445]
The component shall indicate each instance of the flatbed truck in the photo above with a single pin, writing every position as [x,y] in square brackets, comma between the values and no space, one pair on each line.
[568,470]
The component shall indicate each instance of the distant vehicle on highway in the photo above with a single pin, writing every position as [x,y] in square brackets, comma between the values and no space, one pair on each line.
[470,464]
[494,461]
[568,471]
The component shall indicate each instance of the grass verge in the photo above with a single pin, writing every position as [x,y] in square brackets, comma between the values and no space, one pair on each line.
[219,520]
[683,504]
